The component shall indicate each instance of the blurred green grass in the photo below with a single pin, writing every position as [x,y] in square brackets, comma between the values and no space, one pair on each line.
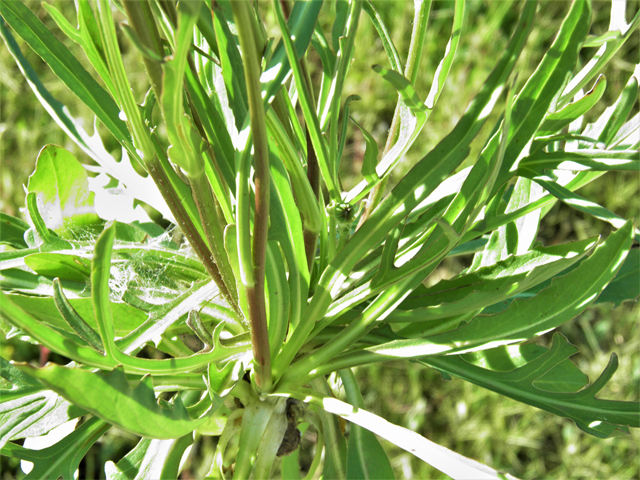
[498,431]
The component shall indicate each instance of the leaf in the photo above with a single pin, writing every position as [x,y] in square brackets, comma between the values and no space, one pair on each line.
[621,110]
[595,416]
[582,160]
[563,377]
[12,231]
[62,189]
[579,203]
[558,120]
[26,410]
[65,267]
[385,36]
[74,320]
[65,65]
[412,113]
[151,458]
[365,456]
[626,285]
[445,460]
[370,155]
[63,458]
[126,318]
[535,98]
[82,36]
[40,233]
[565,298]
[414,188]
[109,396]
[487,285]
[601,58]
[301,23]
[231,66]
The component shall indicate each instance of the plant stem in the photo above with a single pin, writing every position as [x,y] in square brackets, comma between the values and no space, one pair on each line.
[256,293]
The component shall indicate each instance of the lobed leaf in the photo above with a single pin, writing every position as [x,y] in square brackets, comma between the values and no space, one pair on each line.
[63,458]
[109,396]
[595,416]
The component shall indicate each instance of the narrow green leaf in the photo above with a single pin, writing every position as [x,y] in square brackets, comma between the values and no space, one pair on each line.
[231,65]
[301,21]
[560,119]
[277,296]
[385,36]
[83,37]
[626,285]
[75,321]
[445,460]
[622,108]
[286,228]
[488,285]
[109,396]
[535,98]
[47,236]
[66,67]
[63,458]
[581,160]
[66,267]
[415,187]
[343,133]
[100,272]
[593,415]
[365,456]
[12,231]
[604,54]
[579,203]
[370,155]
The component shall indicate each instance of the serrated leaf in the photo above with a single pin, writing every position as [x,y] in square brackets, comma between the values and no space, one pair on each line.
[109,396]
[595,416]
[62,189]
[564,377]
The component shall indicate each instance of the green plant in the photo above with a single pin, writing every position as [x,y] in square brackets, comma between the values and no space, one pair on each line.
[283,277]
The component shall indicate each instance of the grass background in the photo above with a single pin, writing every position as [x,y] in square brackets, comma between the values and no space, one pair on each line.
[498,431]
